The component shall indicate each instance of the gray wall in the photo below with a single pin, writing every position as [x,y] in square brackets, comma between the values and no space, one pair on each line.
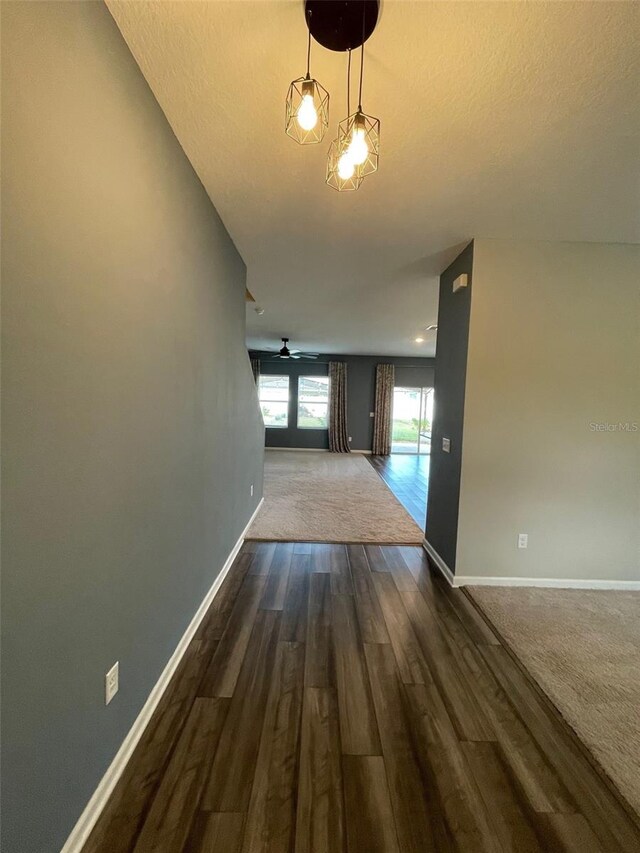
[130,421]
[450,376]
[361,378]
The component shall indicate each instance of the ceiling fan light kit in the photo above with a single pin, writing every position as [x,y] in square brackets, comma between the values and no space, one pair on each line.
[338,25]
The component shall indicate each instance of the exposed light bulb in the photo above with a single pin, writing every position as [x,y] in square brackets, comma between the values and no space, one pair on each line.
[307,115]
[346,167]
[358,148]
[419,340]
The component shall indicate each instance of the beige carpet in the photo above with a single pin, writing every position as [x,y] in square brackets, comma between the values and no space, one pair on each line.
[583,649]
[329,497]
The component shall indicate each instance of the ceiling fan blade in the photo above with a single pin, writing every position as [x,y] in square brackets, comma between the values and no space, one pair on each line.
[310,355]
[295,356]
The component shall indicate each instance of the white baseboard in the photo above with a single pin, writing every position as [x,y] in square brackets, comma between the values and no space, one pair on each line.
[313,450]
[96,804]
[559,583]
[440,563]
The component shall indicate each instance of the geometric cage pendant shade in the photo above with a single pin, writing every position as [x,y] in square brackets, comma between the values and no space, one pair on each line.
[307,111]
[359,137]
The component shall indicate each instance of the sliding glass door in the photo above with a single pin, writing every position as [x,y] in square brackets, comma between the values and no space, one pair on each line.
[412,417]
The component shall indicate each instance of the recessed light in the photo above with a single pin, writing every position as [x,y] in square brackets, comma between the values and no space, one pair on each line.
[419,340]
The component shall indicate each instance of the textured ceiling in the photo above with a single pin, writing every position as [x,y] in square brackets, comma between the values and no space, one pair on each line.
[512,120]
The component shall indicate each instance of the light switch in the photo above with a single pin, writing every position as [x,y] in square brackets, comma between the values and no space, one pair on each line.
[446,445]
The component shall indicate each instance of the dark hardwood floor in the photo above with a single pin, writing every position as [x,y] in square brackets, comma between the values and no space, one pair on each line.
[344,698]
[407,476]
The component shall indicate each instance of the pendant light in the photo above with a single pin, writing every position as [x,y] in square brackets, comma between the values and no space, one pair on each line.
[359,135]
[307,109]
[341,168]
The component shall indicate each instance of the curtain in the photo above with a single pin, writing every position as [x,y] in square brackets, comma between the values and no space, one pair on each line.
[382,412]
[338,433]
[255,367]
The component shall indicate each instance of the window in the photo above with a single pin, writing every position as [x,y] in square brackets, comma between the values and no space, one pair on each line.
[274,400]
[313,402]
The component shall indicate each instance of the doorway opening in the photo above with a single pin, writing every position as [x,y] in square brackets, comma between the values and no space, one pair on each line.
[412,416]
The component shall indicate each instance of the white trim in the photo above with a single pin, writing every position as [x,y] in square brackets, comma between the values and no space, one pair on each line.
[561,583]
[440,563]
[313,450]
[87,820]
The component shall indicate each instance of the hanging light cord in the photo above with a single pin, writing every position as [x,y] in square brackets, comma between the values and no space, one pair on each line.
[361,60]
[309,46]
[349,84]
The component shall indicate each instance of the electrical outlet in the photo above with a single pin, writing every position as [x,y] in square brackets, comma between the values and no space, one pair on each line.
[523,540]
[349,438]
[251,489]
[446,445]
[372,414]
[111,684]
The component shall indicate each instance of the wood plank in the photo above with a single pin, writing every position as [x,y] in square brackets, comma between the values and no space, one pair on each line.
[222,673]
[231,777]
[321,557]
[409,657]
[320,812]
[263,555]
[394,558]
[370,823]
[278,578]
[466,712]
[570,833]
[169,820]
[216,832]
[271,817]
[444,767]
[373,628]
[215,621]
[512,820]
[341,582]
[319,659]
[358,729]
[376,559]
[296,603]
[419,820]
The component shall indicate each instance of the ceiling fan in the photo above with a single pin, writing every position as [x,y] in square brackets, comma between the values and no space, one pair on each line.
[285,352]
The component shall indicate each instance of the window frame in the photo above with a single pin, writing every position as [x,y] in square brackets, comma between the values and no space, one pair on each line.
[325,403]
[287,401]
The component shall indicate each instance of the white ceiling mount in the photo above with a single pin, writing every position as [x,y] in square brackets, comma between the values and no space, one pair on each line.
[460,282]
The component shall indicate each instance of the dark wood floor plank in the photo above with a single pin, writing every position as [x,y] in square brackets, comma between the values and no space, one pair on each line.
[358,729]
[341,582]
[370,823]
[319,660]
[444,767]
[409,657]
[270,825]
[514,828]
[263,554]
[321,557]
[420,826]
[278,578]
[222,673]
[216,832]
[376,559]
[169,819]
[215,621]
[231,777]
[467,713]
[320,824]
[399,569]
[296,603]
[373,628]
[570,834]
